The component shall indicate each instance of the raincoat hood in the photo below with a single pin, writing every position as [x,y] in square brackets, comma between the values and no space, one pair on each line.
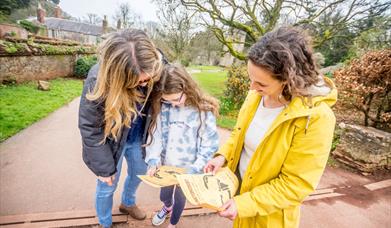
[326,93]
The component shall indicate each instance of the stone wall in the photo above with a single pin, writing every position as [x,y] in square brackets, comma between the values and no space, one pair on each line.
[9,28]
[364,148]
[45,67]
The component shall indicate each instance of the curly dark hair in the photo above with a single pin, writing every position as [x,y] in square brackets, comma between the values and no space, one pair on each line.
[287,53]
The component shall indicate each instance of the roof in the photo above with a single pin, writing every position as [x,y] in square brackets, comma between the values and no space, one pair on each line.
[73,26]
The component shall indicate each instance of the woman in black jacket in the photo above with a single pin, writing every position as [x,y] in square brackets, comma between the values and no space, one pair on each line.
[111,119]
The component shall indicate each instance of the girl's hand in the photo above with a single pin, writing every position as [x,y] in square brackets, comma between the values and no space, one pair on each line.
[151,171]
[108,180]
[215,164]
[229,210]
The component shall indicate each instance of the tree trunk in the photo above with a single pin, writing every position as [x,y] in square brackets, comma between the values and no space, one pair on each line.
[367,108]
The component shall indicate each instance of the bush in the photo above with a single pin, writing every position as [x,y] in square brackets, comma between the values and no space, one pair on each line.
[185,62]
[365,85]
[83,65]
[30,26]
[237,86]
[29,47]
[11,47]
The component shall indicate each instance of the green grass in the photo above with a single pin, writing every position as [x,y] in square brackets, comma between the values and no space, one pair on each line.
[212,81]
[21,105]
[226,121]
[205,68]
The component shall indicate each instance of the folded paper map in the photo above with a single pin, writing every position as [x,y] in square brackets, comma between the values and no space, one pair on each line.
[205,190]
[164,176]
[208,190]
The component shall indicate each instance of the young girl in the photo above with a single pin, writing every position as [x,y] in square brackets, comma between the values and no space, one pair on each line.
[183,134]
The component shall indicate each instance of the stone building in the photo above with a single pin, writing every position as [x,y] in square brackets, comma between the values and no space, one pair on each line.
[60,28]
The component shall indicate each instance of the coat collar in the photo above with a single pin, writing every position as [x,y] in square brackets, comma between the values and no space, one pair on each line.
[298,107]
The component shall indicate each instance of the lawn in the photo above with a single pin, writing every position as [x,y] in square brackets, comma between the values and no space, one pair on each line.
[206,68]
[212,80]
[21,105]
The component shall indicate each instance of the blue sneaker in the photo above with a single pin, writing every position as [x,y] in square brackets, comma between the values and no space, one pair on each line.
[161,216]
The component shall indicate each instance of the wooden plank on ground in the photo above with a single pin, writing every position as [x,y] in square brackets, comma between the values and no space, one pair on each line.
[198,211]
[322,191]
[322,196]
[67,223]
[379,185]
[81,218]
[13,219]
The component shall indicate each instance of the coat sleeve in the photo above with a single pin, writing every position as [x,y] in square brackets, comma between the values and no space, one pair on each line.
[209,143]
[154,150]
[96,155]
[300,173]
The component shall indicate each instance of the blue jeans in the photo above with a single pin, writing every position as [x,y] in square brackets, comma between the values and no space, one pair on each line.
[104,193]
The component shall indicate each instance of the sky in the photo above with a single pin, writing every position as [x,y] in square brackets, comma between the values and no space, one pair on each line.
[80,8]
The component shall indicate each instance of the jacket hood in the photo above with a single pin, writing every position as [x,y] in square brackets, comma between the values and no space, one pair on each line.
[330,98]
[325,93]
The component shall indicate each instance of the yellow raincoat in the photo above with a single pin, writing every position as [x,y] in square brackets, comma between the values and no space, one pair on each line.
[287,164]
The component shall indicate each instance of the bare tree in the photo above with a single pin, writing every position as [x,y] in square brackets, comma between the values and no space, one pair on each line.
[127,16]
[92,18]
[177,26]
[152,28]
[254,18]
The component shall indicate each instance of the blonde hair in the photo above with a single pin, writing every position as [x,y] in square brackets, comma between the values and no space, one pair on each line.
[123,56]
[176,79]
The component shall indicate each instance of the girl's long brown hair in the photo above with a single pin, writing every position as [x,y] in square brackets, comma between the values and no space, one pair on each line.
[123,56]
[175,79]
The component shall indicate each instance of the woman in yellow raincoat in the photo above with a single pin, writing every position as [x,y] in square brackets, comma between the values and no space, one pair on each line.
[282,138]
